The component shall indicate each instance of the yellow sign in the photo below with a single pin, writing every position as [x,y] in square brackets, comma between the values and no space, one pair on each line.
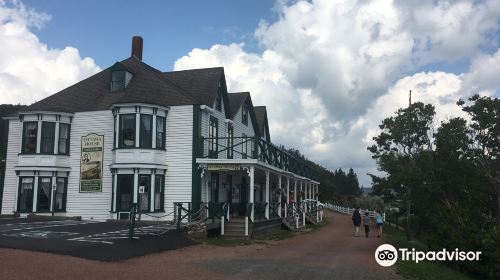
[228,167]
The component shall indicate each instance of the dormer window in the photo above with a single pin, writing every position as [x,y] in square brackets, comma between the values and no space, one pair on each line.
[244,114]
[218,99]
[120,78]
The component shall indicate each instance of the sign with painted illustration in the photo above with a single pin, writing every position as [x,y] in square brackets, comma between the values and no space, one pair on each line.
[91,163]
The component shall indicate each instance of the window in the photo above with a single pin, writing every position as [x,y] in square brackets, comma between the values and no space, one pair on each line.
[213,137]
[119,79]
[158,198]
[230,141]
[48,135]
[25,199]
[146,131]
[30,131]
[127,131]
[44,194]
[244,114]
[160,132]
[214,188]
[124,192]
[144,192]
[63,148]
[244,147]
[60,195]
[218,99]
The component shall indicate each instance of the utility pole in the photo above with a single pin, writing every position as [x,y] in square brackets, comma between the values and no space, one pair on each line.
[409,102]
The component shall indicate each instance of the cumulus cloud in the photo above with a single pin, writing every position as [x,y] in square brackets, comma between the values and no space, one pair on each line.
[330,71]
[29,69]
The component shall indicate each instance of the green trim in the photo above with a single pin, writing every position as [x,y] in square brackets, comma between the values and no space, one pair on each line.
[39,192]
[23,151]
[196,181]
[67,139]
[120,136]
[64,198]
[19,195]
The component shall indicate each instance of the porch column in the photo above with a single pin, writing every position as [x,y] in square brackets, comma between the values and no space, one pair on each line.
[52,188]
[136,183]
[267,194]
[280,195]
[152,191]
[287,195]
[35,190]
[295,191]
[115,183]
[252,187]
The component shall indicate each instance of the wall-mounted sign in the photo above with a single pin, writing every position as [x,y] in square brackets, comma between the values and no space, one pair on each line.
[228,167]
[91,163]
[142,189]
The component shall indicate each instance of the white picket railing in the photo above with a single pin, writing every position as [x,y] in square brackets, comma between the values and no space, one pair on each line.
[349,210]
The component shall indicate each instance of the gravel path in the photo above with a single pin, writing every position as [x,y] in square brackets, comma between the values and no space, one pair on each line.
[329,253]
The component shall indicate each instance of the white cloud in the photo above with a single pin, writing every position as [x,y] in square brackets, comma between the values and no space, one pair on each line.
[29,69]
[330,71]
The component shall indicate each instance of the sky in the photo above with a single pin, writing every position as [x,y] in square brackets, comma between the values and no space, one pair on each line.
[329,71]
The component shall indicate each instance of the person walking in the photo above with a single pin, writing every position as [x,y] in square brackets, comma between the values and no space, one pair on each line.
[356,220]
[366,223]
[380,222]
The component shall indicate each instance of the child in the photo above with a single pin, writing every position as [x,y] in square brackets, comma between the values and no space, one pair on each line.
[366,222]
[380,222]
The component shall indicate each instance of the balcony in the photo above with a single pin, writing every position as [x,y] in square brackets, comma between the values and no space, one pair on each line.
[254,148]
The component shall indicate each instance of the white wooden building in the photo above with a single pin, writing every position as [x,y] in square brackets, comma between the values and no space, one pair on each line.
[132,134]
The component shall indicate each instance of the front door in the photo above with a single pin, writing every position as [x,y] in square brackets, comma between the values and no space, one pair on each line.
[124,192]
[25,199]
[44,194]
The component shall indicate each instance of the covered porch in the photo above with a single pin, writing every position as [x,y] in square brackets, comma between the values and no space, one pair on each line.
[248,196]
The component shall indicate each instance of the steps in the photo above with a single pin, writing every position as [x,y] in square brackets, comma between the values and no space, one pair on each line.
[235,228]
[311,219]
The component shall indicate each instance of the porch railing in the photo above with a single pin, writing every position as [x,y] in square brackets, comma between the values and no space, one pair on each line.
[260,210]
[274,208]
[254,148]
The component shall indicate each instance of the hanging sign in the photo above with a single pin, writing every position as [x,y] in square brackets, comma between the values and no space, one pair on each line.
[91,163]
[216,167]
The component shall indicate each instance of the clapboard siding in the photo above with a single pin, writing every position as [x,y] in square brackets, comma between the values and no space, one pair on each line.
[10,184]
[96,205]
[178,178]
[240,129]
[222,130]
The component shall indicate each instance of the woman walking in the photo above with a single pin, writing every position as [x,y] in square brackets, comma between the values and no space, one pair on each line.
[356,220]
[380,222]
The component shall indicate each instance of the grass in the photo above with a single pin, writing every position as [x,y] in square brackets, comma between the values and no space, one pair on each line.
[422,270]
[279,234]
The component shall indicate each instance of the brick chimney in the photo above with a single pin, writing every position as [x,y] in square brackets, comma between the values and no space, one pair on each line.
[137,47]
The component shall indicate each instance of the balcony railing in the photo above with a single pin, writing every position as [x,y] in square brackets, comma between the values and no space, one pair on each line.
[254,148]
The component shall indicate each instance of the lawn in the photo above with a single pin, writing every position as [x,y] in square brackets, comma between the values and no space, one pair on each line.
[422,270]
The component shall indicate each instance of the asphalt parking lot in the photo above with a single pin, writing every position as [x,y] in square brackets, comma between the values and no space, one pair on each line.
[103,241]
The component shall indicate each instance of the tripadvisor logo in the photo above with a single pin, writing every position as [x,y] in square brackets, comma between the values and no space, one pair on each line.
[387,255]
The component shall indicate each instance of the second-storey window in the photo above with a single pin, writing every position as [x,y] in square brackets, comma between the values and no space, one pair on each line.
[160,132]
[244,147]
[213,137]
[146,131]
[48,135]
[244,114]
[218,100]
[63,148]
[127,131]
[230,141]
[30,131]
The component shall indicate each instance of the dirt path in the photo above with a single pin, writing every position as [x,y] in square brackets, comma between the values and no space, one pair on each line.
[329,253]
